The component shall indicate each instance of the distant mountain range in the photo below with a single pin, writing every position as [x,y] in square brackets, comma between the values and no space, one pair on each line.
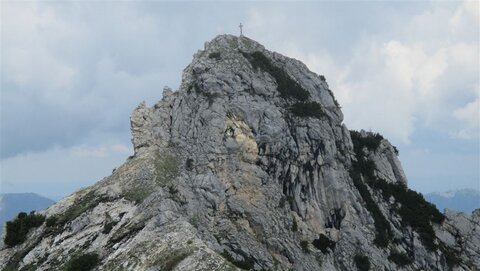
[464,200]
[13,203]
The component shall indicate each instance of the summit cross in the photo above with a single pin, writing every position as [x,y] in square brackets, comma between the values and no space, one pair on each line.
[241,25]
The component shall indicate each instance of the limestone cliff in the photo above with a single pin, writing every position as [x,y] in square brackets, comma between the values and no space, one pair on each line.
[249,166]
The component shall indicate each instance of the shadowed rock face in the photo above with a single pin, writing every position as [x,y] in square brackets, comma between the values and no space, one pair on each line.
[247,165]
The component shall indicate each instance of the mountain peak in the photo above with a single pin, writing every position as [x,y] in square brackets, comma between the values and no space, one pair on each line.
[248,166]
[238,76]
[227,42]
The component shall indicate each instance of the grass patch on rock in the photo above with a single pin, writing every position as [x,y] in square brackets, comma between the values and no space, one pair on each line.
[166,168]
[246,263]
[138,193]
[80,206]
[170,261]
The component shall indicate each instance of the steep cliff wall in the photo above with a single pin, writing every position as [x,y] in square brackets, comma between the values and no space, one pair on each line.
[248,165]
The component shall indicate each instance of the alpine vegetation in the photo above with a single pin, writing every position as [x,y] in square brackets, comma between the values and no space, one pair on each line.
[247,166]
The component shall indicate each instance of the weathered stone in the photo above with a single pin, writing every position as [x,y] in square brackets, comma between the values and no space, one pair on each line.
[226,176]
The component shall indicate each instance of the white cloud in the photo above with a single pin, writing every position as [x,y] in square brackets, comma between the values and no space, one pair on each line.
[100,151]
[84,151]
[470,116]
[73,69]
[417,74]
[465,19]
[27,57]
[72,73]
[411,67]
[60,170]
[120,148]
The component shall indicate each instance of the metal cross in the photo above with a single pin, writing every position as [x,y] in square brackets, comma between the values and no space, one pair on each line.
[241,34]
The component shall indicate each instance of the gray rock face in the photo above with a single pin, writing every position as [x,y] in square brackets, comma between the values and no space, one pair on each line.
[460,232]
[233,170]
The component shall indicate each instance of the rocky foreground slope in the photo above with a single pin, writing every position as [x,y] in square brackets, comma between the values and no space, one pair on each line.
[247,166]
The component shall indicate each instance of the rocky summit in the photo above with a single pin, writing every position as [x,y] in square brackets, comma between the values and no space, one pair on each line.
[247,166]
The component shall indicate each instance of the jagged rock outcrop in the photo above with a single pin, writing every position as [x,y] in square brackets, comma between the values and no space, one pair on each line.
[248,165]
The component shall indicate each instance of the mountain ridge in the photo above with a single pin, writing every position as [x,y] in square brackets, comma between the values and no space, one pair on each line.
[462,200]
[249,166]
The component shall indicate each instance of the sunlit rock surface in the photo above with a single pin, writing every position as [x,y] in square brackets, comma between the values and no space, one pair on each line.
[235,170]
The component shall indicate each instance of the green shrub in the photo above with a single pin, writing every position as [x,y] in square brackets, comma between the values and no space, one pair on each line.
[17,229]
[51,221]
[371,141]
[166,168]
[418,213]
[287,87]
[333,97]
[304,245]
[400,259]
[215,55]
[294,225]
[282,202]
[290,200]
[451,256]
[307,109]
[210,97]
[415,211]
[366,168]
[195,220]
[10,268]
[197,87]
[246,264]
[189,164]
[382,227]
[323,243]
[85,262]
[362,262]
[199,90]
[189,89]
[108,226]
[172,189]
[363,165]
[396,151]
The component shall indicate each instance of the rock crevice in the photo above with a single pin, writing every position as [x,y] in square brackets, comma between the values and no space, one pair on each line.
[248,165]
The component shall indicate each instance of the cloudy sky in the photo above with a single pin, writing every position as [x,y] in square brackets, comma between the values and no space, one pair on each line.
[71,73]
